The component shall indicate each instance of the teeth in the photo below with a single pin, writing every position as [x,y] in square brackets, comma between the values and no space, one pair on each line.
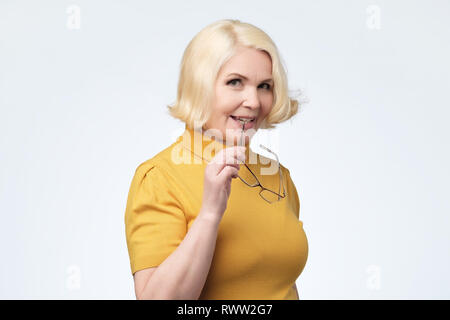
[242,120]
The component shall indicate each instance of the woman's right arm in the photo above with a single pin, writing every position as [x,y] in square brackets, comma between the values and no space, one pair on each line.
[182,275]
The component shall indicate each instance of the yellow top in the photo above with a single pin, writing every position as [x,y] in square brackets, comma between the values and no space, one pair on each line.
[261,248]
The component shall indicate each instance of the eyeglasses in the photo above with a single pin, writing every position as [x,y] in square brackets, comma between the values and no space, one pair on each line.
[253,181]
[267,194]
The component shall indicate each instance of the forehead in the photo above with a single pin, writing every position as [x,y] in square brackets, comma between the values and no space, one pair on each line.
[252,63]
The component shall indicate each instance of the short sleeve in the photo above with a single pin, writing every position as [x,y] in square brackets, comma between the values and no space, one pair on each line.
[292,193]
[155,223]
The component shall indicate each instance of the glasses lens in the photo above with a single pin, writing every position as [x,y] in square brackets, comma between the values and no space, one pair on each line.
[269,195]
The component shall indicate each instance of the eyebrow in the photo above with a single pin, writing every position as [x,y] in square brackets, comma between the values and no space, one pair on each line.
[245,78]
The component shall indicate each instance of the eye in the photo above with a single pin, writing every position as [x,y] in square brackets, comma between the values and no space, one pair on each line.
[233,81]
[268,86]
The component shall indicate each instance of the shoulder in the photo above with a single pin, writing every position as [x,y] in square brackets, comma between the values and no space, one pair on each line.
[159,174]
[285,170]
[288,179]
[151,183]
[158,164]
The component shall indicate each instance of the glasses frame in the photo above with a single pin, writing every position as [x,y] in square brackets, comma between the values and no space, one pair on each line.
[258,184]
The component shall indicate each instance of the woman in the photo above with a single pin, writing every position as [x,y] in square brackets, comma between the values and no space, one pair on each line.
[207,218]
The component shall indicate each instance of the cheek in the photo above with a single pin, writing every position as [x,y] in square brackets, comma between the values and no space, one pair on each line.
[267,109]
[267,102]
[228,109]
[225,102]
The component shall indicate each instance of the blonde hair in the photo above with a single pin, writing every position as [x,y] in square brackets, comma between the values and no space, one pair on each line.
[205,55]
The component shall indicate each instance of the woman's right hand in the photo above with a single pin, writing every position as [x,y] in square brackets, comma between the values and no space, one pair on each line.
[217,181]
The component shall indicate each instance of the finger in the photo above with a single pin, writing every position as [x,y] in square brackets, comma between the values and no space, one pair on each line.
[233,156]
[237,152]
[228,172]
[220,163]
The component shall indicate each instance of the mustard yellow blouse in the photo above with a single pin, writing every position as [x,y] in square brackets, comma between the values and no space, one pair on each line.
[261,248]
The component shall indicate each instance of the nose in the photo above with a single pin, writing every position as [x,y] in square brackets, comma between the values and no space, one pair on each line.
[251,98]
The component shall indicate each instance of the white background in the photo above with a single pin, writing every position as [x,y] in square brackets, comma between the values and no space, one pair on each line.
[81,108]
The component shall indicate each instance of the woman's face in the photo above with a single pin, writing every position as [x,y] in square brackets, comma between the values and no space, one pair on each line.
[244,88]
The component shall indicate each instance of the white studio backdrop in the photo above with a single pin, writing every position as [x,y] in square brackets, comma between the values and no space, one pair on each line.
[83,92]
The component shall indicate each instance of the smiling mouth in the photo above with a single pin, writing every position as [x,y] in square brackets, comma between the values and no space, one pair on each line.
[243,120]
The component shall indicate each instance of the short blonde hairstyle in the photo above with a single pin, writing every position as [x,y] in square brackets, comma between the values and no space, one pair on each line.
[206,53]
